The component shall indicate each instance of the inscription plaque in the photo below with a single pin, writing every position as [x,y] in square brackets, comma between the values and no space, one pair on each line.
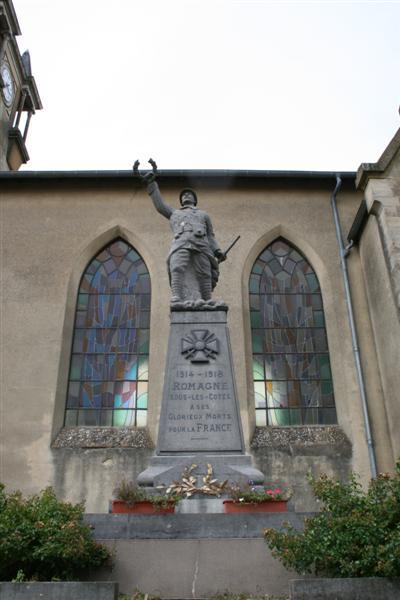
[199,410]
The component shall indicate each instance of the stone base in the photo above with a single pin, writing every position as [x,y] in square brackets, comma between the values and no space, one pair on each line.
[364,588]
[197,305]
[194,556]
[237,468]
[59,590]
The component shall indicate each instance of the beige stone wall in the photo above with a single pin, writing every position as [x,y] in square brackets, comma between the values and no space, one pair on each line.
[362,289]
[380,259]
[52,230]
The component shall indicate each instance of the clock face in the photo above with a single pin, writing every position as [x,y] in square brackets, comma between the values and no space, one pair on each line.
[8,89]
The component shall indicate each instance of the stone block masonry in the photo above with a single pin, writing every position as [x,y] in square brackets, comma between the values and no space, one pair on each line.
[366,588]
[59,590]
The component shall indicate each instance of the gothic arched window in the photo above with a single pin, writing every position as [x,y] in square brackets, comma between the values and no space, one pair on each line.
[291,367]
[108,376]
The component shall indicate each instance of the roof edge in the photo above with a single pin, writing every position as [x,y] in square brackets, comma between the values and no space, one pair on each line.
[370,170]
[10,17]
[170,173]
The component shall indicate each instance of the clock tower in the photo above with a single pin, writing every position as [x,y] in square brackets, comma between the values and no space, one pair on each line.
[19,97]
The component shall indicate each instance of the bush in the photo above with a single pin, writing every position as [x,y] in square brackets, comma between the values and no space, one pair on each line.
[44,539]
[356,534]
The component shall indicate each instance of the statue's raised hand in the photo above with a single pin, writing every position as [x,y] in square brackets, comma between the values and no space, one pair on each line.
[148,177]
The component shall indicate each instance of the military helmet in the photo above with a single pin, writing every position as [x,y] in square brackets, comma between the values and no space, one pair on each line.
[184,192]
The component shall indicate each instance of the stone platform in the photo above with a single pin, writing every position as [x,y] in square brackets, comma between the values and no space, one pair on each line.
[193,556]
[236,468]
[59,590]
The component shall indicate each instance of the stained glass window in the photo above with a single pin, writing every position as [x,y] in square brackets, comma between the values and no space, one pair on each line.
[291,367]
[108,376]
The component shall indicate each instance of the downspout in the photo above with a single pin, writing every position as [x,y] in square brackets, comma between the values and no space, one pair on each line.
[344,252]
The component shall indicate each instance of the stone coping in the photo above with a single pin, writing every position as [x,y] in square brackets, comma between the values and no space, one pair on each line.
[356,588]
[103,437]
[288,438]
[59,590]
[373,170]
[189,526]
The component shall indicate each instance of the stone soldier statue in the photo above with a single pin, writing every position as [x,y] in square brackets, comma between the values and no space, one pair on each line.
[194,248]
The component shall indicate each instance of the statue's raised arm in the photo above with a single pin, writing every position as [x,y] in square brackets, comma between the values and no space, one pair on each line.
[161,206]
[153,190]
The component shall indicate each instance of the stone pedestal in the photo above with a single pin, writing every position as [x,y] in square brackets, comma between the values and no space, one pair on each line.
[200,419]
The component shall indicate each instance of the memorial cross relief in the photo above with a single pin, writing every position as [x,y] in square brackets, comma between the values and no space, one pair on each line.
[200,346]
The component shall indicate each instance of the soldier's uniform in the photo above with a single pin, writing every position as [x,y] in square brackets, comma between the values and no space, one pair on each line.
[193,241]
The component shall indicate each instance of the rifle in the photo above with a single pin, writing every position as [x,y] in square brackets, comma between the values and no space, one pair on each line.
[231,246]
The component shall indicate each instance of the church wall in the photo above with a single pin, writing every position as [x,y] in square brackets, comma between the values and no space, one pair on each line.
[369,352]
[52,230]
[386,327]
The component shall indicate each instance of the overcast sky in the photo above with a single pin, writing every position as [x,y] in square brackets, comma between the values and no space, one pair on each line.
[230,84]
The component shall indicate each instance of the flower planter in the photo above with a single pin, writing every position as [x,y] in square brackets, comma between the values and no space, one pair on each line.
[230,506]
[141,508]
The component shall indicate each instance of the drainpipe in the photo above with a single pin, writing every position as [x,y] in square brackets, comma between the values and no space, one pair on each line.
[344,253]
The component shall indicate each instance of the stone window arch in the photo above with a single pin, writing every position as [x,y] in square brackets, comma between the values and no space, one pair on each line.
[108,375]
[291,366]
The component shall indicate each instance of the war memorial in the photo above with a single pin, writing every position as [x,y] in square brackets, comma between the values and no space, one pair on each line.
[251,340]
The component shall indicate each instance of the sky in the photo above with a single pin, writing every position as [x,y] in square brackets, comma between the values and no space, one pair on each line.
[211,84]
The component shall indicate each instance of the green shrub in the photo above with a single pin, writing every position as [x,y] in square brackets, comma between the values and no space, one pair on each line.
[356,534]
[45,539]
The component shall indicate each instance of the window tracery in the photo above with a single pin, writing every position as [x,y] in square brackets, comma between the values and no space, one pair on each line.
[291,367]
[108,379]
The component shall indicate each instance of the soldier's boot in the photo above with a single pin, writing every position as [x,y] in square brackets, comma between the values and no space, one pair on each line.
[205,290]
[177,286]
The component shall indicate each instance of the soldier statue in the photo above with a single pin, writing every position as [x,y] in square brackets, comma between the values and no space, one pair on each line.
[194,247]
